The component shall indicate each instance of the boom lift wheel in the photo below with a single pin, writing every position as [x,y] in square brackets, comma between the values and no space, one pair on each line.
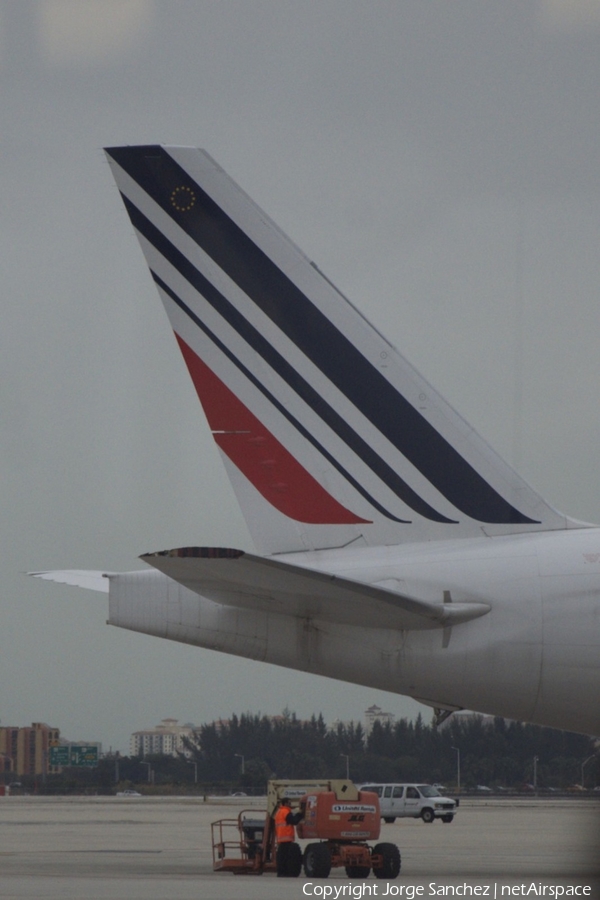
[357,871]
[390,863]
[317,860]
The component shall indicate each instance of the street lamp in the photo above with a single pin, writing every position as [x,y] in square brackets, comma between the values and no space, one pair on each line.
[347,758]
[240,755]
[583,765]
[535,762]
[457,768]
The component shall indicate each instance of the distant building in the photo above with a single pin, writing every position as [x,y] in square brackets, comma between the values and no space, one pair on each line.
[26,751]
[220,724]
[340,723]
[376,714]
[6,766]
[167,739]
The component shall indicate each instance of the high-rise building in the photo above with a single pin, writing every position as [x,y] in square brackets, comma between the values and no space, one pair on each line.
[167,739]
[28,749]
[376,714]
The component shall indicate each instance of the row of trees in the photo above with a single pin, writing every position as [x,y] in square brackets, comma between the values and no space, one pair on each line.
[490,752]
[245,751]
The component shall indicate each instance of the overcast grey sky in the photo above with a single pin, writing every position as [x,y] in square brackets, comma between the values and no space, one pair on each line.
[439,161]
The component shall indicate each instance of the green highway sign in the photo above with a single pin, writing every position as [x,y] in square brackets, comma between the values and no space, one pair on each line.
[59,756]
[82,755]
[73,755]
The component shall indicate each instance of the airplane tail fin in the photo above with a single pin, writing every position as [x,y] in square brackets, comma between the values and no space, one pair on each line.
[328,434]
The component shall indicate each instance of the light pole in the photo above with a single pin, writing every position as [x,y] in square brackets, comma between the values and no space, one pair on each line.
[583,765]
[457,769]
[535,762]
[347,758]
[195,765]
[240,755]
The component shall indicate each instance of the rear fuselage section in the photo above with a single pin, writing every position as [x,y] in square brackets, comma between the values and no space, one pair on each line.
[533,657]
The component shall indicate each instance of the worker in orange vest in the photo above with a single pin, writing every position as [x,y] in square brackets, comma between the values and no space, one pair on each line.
[287,849]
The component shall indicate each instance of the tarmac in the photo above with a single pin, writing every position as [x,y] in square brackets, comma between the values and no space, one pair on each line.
[111,848]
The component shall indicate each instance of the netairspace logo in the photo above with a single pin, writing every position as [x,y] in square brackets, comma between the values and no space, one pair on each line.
[433,889]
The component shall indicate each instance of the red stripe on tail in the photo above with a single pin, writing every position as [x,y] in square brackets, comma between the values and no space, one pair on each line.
[273,471]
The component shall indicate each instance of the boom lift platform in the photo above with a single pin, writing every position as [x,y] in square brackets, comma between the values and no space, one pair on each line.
[338,819]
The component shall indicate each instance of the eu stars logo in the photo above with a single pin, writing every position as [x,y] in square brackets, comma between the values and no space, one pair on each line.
[183,198]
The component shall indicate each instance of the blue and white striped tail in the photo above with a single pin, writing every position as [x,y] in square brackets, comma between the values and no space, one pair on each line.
[328,434]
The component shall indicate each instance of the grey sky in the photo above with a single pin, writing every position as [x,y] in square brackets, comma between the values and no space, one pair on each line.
[439,161]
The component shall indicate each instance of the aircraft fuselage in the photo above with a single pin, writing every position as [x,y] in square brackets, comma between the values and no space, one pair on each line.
[533,657]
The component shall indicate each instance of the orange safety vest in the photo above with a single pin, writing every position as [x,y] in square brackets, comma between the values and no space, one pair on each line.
[283,831]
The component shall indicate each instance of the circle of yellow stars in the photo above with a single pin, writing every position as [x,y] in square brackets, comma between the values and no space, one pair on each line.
[183,198]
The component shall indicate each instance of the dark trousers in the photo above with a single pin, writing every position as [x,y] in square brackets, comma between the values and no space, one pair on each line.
[282,858]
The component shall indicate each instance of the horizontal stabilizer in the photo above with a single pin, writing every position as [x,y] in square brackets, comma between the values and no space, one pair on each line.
[93,581]
[235,578]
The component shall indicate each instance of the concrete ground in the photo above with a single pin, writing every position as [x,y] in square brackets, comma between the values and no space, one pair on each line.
[104,848]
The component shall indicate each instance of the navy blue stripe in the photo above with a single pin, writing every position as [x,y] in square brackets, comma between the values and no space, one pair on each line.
[287,372]
[303,431]
[339,360]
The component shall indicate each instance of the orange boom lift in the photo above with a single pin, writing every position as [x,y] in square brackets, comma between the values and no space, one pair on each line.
[338,820]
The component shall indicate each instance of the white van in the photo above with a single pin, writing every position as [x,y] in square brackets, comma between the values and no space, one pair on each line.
[415,801]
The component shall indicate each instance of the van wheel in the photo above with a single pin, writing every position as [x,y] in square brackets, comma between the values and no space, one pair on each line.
[317,861]
[390,861]
[427,815]
[447,819]
[389,819]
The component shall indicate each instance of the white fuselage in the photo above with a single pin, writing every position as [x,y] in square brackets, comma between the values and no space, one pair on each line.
[534,657]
